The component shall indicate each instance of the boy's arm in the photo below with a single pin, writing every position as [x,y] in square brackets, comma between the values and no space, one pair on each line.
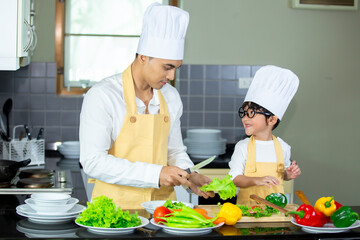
[245,181]
[292,172]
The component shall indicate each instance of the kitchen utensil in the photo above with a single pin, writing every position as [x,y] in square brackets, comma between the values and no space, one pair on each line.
[3,135]
[6,110]
[9,168]
[2,126]
[21,135]
[302,197]
[27,131]
[270,204]
[40,133]
[200,165]
[36,173]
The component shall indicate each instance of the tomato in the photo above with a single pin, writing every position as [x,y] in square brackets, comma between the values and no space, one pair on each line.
[160,212]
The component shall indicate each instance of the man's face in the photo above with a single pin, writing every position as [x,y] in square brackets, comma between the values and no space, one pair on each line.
[157,72]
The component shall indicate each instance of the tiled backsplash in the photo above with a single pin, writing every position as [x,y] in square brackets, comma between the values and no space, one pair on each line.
[210,95]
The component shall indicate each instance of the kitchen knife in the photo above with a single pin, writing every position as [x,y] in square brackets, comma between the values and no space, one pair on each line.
[27,131]
[200,165]
[40,133]
[197,167]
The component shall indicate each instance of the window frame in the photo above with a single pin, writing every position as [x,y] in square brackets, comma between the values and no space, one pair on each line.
[60,53]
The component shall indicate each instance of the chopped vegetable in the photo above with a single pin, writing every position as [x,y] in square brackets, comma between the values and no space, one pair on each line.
[102,212]
[231,213]
[169,204]
[256,211]
[225,187]
[344,217]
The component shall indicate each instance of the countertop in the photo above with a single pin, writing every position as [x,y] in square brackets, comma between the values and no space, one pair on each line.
[15,226]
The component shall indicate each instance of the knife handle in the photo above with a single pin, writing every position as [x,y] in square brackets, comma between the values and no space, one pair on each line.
[27,131]
[188,170]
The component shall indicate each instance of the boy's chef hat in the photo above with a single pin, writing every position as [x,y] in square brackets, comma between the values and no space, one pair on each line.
[163,32]
[273,88]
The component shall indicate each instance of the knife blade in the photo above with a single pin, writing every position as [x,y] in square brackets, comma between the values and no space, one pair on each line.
[200,165]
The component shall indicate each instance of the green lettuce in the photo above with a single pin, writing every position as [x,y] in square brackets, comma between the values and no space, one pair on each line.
[225,187]
[102,212]
[173,205]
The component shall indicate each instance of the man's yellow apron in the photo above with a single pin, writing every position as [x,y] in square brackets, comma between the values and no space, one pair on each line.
[261,169]
[144,138]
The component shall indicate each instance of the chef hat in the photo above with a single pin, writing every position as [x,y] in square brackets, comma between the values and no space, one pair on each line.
[163,32]
[273,88]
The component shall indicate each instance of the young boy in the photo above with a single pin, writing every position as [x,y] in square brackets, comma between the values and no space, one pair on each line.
[261,163]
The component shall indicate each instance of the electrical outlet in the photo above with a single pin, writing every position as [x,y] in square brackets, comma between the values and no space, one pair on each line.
[245,82]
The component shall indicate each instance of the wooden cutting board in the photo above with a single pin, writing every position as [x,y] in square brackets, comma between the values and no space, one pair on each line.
[280,217]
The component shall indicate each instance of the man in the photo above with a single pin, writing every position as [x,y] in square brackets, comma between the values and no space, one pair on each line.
[130,131]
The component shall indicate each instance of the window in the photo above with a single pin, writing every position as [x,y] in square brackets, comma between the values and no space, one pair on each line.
[95,39]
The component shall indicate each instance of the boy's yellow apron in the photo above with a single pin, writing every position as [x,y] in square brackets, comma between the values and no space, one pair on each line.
[261,169]
[144,138]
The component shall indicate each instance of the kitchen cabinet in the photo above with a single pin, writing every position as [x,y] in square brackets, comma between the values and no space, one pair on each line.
[18,37]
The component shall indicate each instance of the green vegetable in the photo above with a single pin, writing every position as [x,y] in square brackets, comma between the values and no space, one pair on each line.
[187,212]
[256,212]
[344,217]
[277,199]
[103,213]
[225,187]
[173,205]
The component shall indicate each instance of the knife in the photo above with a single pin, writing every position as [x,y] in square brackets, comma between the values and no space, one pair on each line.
[197,167]
[40,133]
[27,131]
[200,165]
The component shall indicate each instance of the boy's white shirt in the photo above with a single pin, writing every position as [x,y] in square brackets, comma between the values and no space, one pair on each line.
[265,152]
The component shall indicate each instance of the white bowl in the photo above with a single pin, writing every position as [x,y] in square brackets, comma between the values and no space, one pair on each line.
[53,208]
[151,205]
[203,134]
[50,198]
[71,144]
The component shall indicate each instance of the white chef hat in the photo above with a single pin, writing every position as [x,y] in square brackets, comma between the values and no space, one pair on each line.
[163,32]
[273,88]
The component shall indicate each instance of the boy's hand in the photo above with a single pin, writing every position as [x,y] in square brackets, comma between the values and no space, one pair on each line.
[267,181]
[293,171]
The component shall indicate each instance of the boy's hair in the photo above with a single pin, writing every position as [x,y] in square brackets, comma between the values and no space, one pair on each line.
[257,107]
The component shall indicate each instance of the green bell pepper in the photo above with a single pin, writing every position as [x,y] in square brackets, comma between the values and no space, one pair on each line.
[276,198]
[344,217]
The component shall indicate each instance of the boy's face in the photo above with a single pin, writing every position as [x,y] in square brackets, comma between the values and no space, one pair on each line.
[258,125]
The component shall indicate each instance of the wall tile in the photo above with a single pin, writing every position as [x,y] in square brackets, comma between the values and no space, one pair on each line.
[52,118]
[212,87]
[212,72]
[51,85]
[185,102]
[211,120]
[53,102]
[52,134]
[68,103]
[228,88]
[184,71]
[228,134]
[37,102]
[184,119]
[22,72]
[21,85]
[7,85]
[21,102]
[20,118]
[196,103]
[227,104]
[79,102]
[196,119]
[37,119]
[37,85]
[212,104]
[254,70]
[38,69]
[70,134]
[228,72]
[183,87]
[243,71]
[69,118]
[196,71]
[51,69]
[196,87]
[227,119]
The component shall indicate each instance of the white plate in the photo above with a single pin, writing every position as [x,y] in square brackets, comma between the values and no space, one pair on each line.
[29,212]
[48,220]
[186,231]
[41,230]
[115,231]
[327,228]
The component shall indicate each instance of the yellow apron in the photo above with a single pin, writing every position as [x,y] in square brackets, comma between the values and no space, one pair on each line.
[144,138]
[261,169]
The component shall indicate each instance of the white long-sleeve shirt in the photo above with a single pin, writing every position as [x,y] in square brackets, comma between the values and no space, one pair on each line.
[265,152]
[101,119]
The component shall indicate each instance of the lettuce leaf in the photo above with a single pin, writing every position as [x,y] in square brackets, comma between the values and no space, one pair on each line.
[225,187]
[102,212]
[169,204]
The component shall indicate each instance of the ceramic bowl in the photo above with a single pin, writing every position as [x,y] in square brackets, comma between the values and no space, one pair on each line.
[50,199]
[53,208]
[203,134]
[151,205]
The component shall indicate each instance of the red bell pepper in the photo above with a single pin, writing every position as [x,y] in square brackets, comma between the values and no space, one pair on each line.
[308,216]
[338,205]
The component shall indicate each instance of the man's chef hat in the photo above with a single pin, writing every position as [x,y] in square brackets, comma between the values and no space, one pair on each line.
[163,32]
[273,88]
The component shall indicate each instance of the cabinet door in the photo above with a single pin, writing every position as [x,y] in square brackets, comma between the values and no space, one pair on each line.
[24,30]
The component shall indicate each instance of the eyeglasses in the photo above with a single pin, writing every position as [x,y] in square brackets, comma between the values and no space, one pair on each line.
[250,113]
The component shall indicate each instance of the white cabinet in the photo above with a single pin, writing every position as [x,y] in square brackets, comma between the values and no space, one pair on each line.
[18,37]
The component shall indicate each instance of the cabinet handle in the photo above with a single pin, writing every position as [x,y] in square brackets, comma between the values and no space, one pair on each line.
[26,48]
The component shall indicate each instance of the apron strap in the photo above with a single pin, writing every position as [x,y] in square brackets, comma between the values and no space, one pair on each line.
[129,91]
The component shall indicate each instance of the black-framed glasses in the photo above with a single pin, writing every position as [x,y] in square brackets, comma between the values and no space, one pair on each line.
[250,113]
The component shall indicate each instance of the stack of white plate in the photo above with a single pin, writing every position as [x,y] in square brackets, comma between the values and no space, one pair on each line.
[204,143]
[50,208]
[70,149]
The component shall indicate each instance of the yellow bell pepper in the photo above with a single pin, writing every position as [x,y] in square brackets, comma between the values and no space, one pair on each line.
[326,205]
[231,213]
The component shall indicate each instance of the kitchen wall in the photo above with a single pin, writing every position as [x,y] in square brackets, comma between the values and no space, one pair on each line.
[320,46]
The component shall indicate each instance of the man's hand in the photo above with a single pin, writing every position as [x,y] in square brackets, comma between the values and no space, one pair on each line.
[198,180]
[173,176]
[267,181]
